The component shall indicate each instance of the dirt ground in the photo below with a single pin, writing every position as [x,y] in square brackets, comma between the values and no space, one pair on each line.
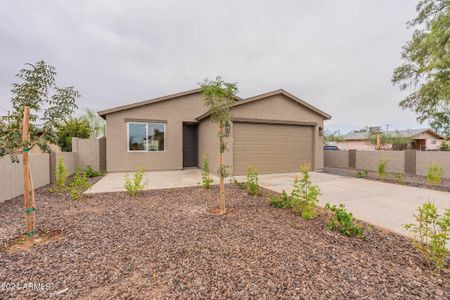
[163,245]
[417,181]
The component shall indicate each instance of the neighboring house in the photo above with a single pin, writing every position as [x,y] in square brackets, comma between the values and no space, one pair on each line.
[422,139]
[273,132]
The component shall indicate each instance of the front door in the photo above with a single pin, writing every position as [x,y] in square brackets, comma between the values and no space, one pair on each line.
[190,145]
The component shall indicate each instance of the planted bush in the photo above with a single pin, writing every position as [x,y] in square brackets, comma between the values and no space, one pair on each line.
[60,177]
[241,185]
[252,182]
[343,221]
[135,185]
[281,201]
[206,177]
[382,169]
[362,174]
[79,184]
[434,174]
[91,172]
[399,178]
[304,195]
[430,235]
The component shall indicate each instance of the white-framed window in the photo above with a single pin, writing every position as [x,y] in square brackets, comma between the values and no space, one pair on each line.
[146,136]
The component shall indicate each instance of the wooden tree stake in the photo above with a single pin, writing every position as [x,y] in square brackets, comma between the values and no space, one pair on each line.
[29,210]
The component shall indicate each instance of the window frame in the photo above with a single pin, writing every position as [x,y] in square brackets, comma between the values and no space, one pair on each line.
[146,137]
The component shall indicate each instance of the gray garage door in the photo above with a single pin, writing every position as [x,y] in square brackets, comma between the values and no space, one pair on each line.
[271,148]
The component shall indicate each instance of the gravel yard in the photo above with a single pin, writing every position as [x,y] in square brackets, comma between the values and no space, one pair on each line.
[411,180]
[163,244]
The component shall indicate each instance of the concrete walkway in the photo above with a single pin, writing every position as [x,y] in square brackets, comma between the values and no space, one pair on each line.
[114,182]
[383,204]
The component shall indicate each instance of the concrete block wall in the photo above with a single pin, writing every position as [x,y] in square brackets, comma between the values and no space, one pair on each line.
[409,162]
[370,159]
[90,152]
[336,159]
[11,175]
[424,159]
[86,152]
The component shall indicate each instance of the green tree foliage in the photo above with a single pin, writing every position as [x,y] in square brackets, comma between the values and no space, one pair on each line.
[427,65]
[430,234]
[96,123]
[331,136]
[218,97]
[75,127]
[49,106]
[444,146]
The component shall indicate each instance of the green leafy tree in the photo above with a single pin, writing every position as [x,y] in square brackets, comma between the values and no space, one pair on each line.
[219,96]
[427,65]
[304,196]
[75,127]
[96,123]
[331,136]
[47,105]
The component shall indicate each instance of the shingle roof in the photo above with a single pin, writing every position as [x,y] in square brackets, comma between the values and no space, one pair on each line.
[394,133]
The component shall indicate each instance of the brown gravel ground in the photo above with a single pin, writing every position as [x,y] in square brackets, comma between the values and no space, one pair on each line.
[163,244]
[411,180]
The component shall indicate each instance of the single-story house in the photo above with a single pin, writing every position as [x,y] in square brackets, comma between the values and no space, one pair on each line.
[421,139]
[274,132]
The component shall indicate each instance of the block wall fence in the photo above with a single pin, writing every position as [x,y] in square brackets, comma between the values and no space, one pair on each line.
[410,162]
[84,152]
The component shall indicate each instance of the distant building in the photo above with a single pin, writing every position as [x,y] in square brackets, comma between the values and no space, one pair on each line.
[421,139]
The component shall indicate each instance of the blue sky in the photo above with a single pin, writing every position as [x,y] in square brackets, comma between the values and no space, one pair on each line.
[337,55]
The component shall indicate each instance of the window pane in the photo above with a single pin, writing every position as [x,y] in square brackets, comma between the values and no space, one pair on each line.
[156,136]
[136,137]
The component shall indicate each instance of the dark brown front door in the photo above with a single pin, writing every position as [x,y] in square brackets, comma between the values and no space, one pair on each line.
[190,145]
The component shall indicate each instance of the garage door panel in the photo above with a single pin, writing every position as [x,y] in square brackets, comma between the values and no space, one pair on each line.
[271,148]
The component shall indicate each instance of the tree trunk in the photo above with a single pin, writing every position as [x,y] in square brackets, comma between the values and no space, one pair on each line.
[222,183]
[29,210]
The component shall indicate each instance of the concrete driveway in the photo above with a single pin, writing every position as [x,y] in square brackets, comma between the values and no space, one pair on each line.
[383,204]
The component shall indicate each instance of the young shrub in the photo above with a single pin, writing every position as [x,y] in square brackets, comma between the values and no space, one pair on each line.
[430,235]
[79,184]
[434,174]
[445,146]
[60,177]
[304,195]
[382,169]
[239,184]
[91,172]
[362,174]
[252,182]
[206,177]
[281,201]
[399,178]
[342,221]
[133,186]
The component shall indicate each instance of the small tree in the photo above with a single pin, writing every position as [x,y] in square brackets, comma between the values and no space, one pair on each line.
[33,122]
[74,127]
[60,177]
[206,177]
[219,96]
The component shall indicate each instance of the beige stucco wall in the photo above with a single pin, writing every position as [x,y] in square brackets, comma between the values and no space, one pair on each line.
[336,159]
[69,161]
[88,152]
[425,158]
[11,175]
[370,159]
[208,145]
[280,107]
[174,112]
